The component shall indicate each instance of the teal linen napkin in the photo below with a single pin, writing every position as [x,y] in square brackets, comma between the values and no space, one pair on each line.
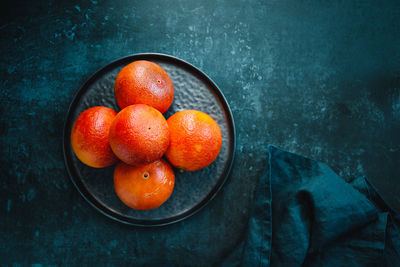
[306,215]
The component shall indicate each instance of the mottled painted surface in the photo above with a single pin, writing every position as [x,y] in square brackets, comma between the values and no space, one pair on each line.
[320,78]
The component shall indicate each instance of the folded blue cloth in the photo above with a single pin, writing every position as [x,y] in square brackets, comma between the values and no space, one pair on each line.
[306,215]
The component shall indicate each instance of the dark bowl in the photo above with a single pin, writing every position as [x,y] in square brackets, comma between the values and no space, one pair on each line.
[193,190]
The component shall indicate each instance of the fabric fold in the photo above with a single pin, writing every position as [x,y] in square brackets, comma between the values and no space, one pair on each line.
[304,214]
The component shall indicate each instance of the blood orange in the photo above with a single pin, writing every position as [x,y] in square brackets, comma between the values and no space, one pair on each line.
[139,134]
[144,82]
[144,187]
[89,137]
[195,140]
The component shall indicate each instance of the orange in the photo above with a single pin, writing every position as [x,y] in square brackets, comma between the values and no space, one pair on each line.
[144,82]
[139,134]
[195,140]
[89,137]
[144,187]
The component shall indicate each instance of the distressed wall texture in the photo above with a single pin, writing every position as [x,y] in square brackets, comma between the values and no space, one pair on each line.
[320,78]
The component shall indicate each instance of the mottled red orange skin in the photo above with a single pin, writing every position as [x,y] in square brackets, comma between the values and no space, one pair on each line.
[195,140]
[89,137]
[144,187]
[144,82]
[139,135]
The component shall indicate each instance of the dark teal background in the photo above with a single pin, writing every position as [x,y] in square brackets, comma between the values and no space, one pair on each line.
[319,78]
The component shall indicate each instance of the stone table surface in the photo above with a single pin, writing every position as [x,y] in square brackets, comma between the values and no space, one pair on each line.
[319,78]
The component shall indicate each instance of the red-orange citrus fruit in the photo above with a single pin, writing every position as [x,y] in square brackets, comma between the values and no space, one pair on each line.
[144,82]
[195,140]
[144,187]
[89,137]
[139,135]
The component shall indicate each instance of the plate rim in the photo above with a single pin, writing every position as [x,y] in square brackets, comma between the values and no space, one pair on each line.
[85,193]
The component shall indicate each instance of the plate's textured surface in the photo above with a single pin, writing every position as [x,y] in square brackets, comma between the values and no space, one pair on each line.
[193,90]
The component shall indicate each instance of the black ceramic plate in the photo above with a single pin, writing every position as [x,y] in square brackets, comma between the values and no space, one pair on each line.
[193,90]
